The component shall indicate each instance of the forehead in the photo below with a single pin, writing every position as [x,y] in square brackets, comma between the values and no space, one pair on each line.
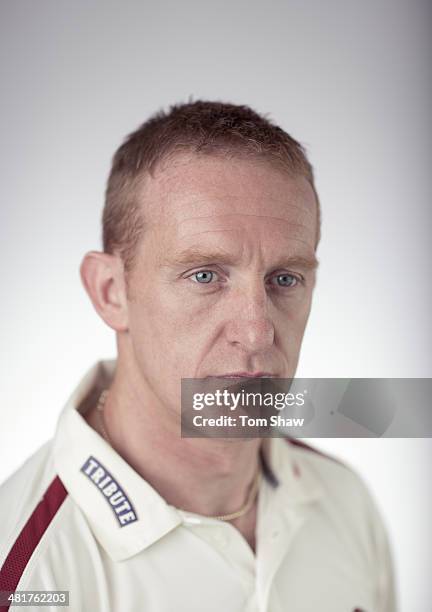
[207,197]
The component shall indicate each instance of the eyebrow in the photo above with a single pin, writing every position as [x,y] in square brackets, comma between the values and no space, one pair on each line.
[195,256]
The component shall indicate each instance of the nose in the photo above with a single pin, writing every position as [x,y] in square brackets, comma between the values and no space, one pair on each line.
[249,325]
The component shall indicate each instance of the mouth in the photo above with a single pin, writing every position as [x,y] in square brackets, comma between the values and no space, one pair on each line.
[238,375]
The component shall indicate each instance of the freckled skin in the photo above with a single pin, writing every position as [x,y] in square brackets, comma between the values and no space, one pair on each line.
[242,320]
[250,230]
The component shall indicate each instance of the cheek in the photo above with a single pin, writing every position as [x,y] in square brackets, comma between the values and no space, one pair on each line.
[290,323]
[166,333]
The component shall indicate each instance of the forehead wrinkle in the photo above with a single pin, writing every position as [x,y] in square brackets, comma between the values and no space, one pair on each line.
[198,255]
[207,253]
[195,254]
[241,214]
[300,240]
[236,229]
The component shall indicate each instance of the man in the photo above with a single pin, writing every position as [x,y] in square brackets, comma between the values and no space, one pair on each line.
[210,230]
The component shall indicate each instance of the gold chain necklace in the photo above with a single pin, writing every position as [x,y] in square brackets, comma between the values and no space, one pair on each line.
[221,517]
[248,505]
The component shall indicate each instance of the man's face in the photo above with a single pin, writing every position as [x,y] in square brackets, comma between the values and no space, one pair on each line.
[224,273]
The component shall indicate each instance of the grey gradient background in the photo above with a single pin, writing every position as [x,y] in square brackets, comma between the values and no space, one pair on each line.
[349,79]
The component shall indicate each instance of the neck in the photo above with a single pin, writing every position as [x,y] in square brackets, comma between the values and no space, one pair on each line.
[206,476]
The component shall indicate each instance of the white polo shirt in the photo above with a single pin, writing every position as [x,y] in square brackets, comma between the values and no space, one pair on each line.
[77,517]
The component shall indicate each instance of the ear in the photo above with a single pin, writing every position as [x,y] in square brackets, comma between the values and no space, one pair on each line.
[103,278]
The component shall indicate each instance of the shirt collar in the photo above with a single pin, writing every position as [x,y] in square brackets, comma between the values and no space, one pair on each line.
[75,444]
[297,482]
[79,450]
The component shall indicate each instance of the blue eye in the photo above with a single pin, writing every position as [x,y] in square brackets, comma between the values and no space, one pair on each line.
[203,277]
[286,280]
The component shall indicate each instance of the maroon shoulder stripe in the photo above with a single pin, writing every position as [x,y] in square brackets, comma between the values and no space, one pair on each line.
[30,536]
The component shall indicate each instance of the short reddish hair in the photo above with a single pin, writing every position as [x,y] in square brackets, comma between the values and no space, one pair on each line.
[201,127]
